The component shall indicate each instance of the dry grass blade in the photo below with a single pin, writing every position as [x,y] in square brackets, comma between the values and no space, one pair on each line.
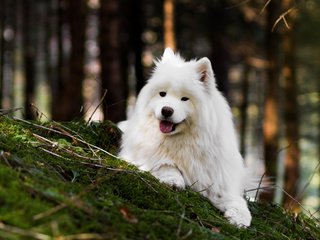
[316,169]
[23,233]
[73,201]
[86,236]
[295,200]
[49,212]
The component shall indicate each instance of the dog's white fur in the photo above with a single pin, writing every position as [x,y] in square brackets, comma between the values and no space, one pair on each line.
[195,146]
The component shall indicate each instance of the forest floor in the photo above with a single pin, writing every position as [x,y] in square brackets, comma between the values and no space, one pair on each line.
[62,181]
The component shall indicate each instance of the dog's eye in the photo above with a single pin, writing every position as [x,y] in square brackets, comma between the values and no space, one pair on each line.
[162,94]
[184,99]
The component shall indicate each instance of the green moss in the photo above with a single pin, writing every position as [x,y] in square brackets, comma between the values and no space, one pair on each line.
[60,180]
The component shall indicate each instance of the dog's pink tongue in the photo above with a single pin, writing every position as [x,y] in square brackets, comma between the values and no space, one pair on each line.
[166,126]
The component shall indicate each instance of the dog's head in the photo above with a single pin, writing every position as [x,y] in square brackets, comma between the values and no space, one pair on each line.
[176,92]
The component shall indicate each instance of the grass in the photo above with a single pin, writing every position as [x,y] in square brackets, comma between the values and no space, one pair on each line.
[62,181]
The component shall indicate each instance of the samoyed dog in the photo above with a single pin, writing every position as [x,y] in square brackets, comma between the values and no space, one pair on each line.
[181,131]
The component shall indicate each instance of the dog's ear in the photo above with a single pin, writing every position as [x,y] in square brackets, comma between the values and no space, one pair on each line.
[204,69]
[167,54]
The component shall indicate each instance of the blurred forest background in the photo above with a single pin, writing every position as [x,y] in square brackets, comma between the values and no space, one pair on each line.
[87,59]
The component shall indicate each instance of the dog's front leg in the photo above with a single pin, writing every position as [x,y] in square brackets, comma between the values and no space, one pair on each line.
[170,175]
[234,207]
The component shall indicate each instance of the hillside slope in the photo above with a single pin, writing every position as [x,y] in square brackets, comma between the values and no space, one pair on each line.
[59,181]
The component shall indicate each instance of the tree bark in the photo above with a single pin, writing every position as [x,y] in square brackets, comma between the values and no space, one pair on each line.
[29,47]
[114,105]
[8,44]
[137,45]
[292,156]
[2,18]
[271,115]
[68,100]
[57,84]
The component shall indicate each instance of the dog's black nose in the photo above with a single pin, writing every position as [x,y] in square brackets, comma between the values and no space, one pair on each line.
[167,112]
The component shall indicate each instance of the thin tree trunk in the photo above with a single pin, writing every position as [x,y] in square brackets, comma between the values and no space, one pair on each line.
[271,116]
[292,157]
[168,25]
[114,105]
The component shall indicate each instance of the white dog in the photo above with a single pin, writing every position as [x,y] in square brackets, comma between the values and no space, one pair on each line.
[182,132]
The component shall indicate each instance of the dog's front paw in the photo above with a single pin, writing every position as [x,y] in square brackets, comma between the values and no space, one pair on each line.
[238,215]
[175,181]
[170,176]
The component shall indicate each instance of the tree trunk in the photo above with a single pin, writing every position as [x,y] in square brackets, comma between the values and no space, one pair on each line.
[271,115]
[219,53]
[77,11]
[2,18]
[137,45]
[69,95]
[8,44]
[168,24]
[57,84]
[292,156]
[29,46]
[114,105]
[49,51]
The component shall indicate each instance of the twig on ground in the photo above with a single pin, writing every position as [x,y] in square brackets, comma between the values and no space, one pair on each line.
[77,138]
[54,154]
[56,145]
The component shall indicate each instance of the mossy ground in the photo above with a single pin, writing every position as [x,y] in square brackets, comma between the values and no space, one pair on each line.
[58,181]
